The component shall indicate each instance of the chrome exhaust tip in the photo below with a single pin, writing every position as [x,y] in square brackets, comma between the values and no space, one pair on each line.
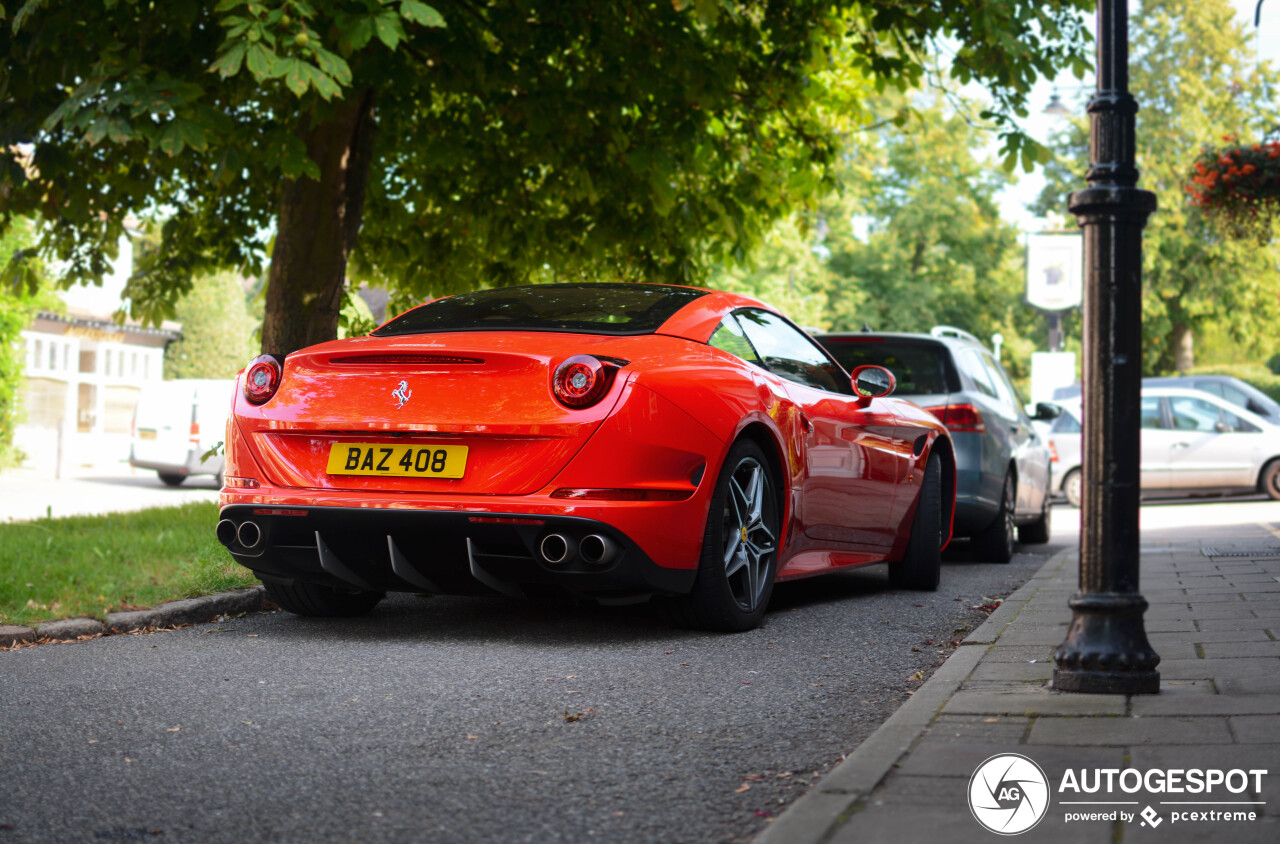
[554,549]
[598,550]
[226,532]
[249,535]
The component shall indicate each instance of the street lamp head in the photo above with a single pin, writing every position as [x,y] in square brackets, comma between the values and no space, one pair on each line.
[1056,107]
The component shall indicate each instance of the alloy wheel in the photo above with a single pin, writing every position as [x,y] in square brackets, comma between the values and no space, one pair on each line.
[750,533]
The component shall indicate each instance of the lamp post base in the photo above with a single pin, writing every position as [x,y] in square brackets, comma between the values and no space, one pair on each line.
[1106,650]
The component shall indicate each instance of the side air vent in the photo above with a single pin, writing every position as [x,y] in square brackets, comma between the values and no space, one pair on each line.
[405,360]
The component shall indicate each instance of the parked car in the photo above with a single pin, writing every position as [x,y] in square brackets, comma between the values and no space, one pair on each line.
[1235,391]
[175,423]
[618,441]
[1240,393]
[1191,442]
[1002,462]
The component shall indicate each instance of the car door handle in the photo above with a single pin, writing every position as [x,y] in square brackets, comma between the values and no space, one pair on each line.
[805,424]
[1182,445]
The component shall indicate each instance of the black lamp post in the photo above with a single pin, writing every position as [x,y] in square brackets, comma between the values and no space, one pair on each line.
[1106,649]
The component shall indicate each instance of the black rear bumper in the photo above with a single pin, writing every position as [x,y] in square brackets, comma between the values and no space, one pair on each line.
[388,550]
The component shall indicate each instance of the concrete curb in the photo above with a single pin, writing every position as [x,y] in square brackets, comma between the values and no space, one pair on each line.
[815,816]
[170,614]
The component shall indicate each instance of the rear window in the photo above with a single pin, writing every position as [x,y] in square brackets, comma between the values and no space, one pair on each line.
[920,368]
[578,308]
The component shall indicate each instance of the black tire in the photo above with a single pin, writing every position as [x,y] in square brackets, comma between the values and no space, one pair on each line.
[1037,532]
[1269,482]
[921,565]
[1073,487]
[739,548]
[995,543]
[171,480]
[312,599]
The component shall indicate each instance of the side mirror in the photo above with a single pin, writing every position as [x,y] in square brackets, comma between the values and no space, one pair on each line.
[872,382]
[1046,411]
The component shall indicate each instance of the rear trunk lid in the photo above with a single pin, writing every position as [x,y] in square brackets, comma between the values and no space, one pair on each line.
[378,413]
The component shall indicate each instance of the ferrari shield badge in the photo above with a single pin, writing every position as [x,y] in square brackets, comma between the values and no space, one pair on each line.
[401,393]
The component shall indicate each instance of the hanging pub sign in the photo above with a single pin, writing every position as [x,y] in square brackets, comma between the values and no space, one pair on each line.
[1055,271]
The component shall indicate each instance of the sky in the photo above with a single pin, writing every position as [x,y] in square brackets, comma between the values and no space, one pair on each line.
[1265,41]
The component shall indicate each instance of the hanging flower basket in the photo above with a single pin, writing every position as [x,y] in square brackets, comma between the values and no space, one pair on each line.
[1238,186]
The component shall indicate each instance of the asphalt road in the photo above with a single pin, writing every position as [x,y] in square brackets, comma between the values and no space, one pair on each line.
[467,719]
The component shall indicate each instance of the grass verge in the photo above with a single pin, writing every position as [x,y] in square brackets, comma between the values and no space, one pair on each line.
[88,566]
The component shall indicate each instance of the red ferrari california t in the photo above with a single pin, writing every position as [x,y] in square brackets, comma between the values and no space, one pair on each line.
[618,441]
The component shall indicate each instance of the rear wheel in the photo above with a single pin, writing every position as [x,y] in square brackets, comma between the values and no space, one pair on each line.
[739,548]
[995,543]
[1270,482]
[1073,486]
[312,599]
[172,480]
[921,565]
[1037,532]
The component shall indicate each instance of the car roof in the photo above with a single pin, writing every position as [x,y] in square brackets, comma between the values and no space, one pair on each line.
[943,339]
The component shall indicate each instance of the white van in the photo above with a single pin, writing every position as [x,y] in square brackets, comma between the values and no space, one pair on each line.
[175,423]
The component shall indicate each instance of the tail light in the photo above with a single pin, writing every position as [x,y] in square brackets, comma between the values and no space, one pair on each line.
[582,380]
[1053,452]
[195,433]
[261,379]
[960,418]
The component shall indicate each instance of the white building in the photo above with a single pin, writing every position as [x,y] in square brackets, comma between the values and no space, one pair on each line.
[83,376]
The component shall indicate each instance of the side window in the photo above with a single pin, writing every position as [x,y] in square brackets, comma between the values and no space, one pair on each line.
[972,366]
[1236,397]
[1151,417]
[791,355]
[1235,423]
[1004,389]
[1193,414]
[1212,387]
[1067,423]
[729,338]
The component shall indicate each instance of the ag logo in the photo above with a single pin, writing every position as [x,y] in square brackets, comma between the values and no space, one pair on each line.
[1008,794]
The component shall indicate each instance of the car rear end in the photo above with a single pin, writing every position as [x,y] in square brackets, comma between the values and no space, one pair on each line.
[455,461]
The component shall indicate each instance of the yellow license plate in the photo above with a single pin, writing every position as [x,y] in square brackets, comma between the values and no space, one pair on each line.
[145,434]
[411,461]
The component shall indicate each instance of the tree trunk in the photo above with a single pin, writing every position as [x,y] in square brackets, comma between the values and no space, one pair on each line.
[317,227]
[1183,347]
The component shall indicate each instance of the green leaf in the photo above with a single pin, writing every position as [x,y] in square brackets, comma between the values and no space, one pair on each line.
[295,162]
[355,35]
[261,60]
[324,86]
[193,135]
[228,64]
[333,65]
[388,29]
[421,13]
[97,131]
[172,141]
[294,73]
[119,130]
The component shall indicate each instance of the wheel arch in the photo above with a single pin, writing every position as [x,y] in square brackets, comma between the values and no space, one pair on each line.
[763,436]
[1266,469]
[945,450]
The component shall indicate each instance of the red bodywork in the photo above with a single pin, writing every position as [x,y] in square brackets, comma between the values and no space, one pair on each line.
[849,468]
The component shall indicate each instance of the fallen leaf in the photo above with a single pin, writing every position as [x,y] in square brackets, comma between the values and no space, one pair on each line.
[746,786]
[175,729]
[990,720]
[472,736]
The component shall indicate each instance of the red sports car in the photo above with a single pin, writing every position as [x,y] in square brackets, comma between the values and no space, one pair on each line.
[618,441]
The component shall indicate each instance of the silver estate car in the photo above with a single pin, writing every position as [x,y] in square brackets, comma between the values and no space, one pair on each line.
[1002,461]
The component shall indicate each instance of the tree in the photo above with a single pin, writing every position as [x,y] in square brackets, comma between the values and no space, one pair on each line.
[931,247]
[217,330]
[1196,80]
[441,149]
[16,312]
